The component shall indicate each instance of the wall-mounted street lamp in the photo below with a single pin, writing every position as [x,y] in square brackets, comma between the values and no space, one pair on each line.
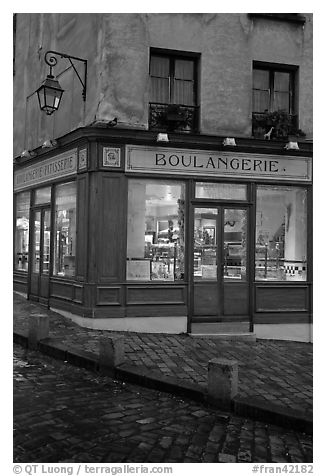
[50,92]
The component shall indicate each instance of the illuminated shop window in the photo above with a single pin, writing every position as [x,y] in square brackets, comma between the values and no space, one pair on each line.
[155,243]
[22,231]
[221,191]
[208,239]
[281,234]
[65,230]
[42,195]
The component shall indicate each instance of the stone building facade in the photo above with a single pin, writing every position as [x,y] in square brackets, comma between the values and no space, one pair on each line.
[152,209]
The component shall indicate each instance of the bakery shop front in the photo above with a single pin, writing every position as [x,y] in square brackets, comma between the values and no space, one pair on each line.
[162,238]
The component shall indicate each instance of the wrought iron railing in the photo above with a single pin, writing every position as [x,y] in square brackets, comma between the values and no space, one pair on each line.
[173,117]
[274,125]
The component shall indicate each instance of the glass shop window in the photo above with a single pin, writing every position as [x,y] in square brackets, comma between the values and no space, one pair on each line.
[65,230]
[221,191]
[281,234]
[155,243]
[22,231]
[42,195]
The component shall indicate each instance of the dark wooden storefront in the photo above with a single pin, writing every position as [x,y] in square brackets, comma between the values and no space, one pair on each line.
[99,288]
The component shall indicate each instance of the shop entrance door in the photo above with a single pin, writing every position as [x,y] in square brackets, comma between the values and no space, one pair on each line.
[40,258]
[219,270]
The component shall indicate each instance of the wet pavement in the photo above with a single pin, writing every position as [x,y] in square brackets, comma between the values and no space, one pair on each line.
[63,413]
[273,372]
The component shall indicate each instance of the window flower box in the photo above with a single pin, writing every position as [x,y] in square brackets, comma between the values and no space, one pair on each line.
[275,125]
[173,117]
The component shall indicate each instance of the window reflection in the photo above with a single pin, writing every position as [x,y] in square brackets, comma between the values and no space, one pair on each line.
[46,242]
[205,244]
[281,234]
[22,231]
[42,195]
[235,244]
[155,243]
[65,230]
[221,191]
[36,242]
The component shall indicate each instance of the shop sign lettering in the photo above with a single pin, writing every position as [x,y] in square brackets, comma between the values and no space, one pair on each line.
[146,159]
[60,166]
[223,163]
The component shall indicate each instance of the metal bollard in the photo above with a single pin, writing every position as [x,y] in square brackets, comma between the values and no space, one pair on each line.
[38,329]
[111,354]
[222,381]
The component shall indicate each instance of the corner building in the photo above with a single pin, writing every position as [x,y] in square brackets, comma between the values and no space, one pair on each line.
[177,197]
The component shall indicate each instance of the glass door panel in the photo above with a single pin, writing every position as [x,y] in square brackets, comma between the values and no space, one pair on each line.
[220,285]
[235,244]
[46,242]
[40,255]
[36,242]
[205,244]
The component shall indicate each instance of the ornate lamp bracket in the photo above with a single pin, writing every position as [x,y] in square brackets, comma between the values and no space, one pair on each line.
[51,59]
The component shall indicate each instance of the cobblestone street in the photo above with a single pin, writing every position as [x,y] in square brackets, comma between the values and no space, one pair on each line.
[68,414]
[276,372]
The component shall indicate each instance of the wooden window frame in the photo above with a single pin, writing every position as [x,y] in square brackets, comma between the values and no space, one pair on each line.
[273,68]
[172,56]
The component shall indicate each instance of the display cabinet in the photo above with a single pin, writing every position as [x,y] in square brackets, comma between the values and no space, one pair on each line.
[162,260]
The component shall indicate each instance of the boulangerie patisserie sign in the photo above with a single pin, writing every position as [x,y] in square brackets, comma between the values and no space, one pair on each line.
[219,164]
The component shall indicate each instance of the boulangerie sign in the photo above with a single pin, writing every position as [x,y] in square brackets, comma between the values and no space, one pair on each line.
[218,164]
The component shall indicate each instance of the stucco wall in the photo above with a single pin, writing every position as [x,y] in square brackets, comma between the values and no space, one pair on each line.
[75,34]
[117,49]
[292,44]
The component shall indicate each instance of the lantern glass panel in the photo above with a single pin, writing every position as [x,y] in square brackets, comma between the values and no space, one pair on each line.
[41,97]
[49,95]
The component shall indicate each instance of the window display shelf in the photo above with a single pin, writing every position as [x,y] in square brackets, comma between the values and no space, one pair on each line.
[162,256]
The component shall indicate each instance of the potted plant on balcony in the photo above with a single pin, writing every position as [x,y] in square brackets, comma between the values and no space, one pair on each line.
[276,125]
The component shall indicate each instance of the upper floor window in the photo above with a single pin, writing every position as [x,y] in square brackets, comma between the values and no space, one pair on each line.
[273,100]
[173,80]
[173,91]
[273,90]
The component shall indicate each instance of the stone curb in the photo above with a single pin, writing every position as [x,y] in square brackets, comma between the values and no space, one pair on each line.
[273,414]
[268,413]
